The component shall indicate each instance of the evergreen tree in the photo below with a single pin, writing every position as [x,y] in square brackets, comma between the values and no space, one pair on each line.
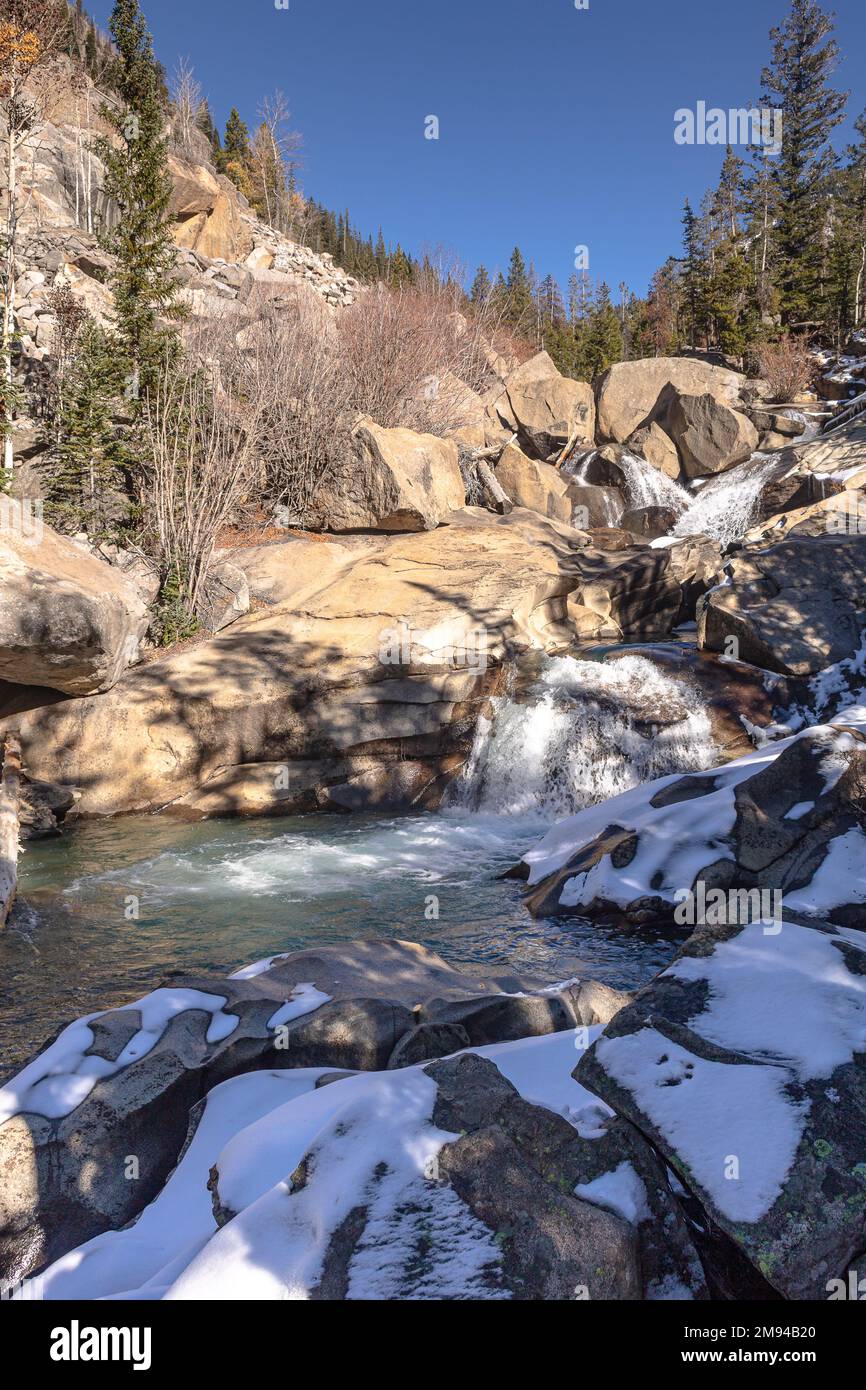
[601,345]
[87,484]
[481,286]
[236,153]
[693,278]
[519,297]
[137,179]
[797,83]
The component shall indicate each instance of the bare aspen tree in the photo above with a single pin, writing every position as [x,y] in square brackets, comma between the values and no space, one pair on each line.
[274,149]
[186,93]
[29,36]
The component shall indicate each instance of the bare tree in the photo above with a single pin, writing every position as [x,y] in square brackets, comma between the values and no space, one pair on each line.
[201,441]
[186,93]
[30,34]
[274,159]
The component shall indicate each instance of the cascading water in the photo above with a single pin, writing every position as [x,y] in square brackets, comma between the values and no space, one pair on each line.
[587,731]
[646,486]
[727,506]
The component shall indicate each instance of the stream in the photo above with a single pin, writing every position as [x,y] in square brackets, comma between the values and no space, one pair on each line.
[115,908]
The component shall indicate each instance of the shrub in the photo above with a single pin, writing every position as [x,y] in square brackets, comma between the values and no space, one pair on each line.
[788,366]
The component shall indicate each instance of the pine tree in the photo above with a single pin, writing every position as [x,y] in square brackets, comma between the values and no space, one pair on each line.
[601,345]
[797,83]
[137,179]
[87,486]
[236,152]
[693,277]
[519,299]
[481,286]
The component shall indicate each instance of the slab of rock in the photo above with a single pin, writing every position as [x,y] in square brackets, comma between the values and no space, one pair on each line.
[395,480]
[538,486]
[628,391]
[795,607]
[67,620]
[709,435]
[545,410]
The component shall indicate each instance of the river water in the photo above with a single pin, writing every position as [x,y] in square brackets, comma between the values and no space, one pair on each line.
[115,908]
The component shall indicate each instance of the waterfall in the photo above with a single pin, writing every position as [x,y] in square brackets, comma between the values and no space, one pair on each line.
[646,486]
[728,505]
[587,731]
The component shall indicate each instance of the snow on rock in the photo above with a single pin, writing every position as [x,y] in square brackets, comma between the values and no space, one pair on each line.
[643,852]
[336,1191]
[62,1076]
[744,1063]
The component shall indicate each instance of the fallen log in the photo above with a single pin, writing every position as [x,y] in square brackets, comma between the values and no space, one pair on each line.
[10,811]
[495,496]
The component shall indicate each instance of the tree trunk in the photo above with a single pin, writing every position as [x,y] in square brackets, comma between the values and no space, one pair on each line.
[10,811]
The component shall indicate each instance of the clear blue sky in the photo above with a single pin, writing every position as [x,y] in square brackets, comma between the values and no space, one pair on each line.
[556,125]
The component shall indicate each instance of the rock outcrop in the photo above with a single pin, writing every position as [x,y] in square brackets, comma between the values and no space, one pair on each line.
[793,607]
[67,620]
[627,392]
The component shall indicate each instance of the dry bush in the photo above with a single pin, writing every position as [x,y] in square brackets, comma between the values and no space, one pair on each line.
[294,375]
[404,357]
[200,438]
[788,366]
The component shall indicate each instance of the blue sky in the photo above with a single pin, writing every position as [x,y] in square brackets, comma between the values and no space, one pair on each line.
[556,124]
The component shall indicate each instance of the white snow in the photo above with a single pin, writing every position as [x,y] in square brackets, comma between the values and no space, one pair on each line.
[787,998]
[179,1221]
[621,1191]
[720,1119]
[64,1074]
[840,877]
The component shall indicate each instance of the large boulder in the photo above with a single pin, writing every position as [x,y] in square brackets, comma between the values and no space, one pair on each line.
[627,392]
[67,620]
[545,409]
[387,651]
[794,607]
[393,480]
[710,436]
[744,1066]
[538,486]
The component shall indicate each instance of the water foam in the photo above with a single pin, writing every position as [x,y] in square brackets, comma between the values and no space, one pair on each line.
[588,731]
